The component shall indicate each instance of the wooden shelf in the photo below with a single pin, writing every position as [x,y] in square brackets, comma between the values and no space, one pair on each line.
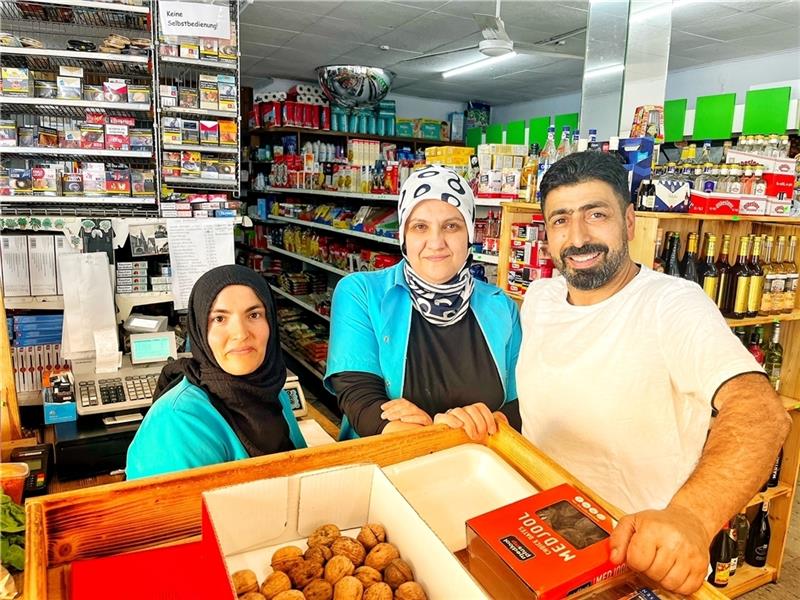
[730,218]
[522,206]
[792,316]
[790,403]
[748,578]
[336,193]
[359,136]
[770,494]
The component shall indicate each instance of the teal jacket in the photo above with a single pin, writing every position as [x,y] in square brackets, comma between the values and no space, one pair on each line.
[371,320]
[183,430]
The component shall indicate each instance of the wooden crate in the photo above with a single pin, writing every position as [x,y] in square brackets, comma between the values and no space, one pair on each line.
[127,516]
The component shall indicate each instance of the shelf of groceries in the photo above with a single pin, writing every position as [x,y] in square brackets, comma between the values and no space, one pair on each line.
[311,368]
[301,301]
[300,257]
[350,232]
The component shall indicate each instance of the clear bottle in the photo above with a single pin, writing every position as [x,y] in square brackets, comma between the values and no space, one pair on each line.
[778,278]
[723,180]
[564,148]
[735,185]
[758,145]
[576,140]
[699,178]
[547,156]
[773,359]
[759,183]
[791,274]
[784,147]
[705,154]
[691,154]
[712,178]
[593,145]
[748,181]
[766,295]
[528,176]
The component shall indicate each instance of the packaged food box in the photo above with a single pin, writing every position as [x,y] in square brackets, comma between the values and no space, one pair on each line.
[16,81]
[209,92]
[228,134]
[8,133]
[72,184]
[94,178]
[115,90]
[117,137]
[209,133]
[226,86]
[188,97]
[190,131]
[92,136]
[118,181]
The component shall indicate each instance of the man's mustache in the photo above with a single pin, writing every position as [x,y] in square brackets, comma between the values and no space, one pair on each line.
[587,249]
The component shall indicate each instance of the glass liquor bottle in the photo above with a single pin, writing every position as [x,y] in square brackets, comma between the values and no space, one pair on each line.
[705,154]
[773,359]
[527,180]
[673,268]
[712,178]
[791,274]
[658,261]
[739,284]
[689,263]
[723,268]
[759,184]
[576,140]
[756,278]
[593,145]
[548,154]
[699,178]
[721,558]
[735,181]
[754,347]
[755,552]
[723,180]
[748,181]
[778,278]
[766,294]
[563,146]
[709,274]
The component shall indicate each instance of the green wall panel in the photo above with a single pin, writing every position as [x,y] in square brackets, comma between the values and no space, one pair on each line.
[474,136]
[766,111]
[567,120]
[494,134]
[674,119]
[713,117]
[537,131]
[515,132]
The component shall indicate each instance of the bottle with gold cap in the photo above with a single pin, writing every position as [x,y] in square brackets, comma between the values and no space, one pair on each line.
[756,278]
[709,274]
[723,268]
[769,277]
[790,270]
[778,277]
[737,295]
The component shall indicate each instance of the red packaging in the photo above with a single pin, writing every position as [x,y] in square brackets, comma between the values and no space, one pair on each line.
[543,547]
[129,121]
[118,182]
[325,118]
[517,289]
[315,117]
[698,203]
[779,182]
[271,114]
[305,110]
[288,111]
[254,117]
[723,205]
[95,118]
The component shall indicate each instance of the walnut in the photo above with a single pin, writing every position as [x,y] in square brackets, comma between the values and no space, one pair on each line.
[350,548]
[244,581]
[319,589]
[285,558]
[251,596]
[397,572]
[320,554]
[371,535]
[339,566]
[290,595]
[348,588]
[304,573]
[276,583]
[324,535]
[368,576]
[379,591]
[381,555]
[410,590]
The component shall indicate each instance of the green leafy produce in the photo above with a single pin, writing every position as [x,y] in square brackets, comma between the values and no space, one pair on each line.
[12,534]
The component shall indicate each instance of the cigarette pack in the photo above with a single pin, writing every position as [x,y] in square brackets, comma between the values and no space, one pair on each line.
[209,133]
[69,88]
[93,93]
[187,97]
[45,89]
[118,181]
[209,92]
[190,164]
[189,49]
[47,137]
[141,140]
[20,182]
[94,179]
[169,95]
[117,137]
[228,135]
[92,136]
[209,168]
[143,182]
[16,81]
[171,130]
[45,179]
[115,90]
[139,94]
[209,48]
[190,131]
[227,168]
[70,71]
[226,85]
[8,132]
[95,118]
[72,184]
[70,136]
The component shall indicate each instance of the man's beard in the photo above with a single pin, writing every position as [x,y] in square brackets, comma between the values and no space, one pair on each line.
[597,276]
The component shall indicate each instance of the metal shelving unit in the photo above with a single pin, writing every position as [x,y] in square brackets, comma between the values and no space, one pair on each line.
[72,153]
[41,201]
[349,232]
[301,301]
[207,148]
[201,184]
[196,62]
[199,112]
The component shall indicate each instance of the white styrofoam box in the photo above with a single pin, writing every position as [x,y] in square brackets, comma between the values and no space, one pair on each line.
[42,265]
[16,270]
[250,521]
[451,486]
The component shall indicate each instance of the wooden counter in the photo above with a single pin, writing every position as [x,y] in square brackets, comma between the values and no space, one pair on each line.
[134,515]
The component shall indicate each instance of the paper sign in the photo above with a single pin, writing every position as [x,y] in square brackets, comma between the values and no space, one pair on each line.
[196,246]
[193,19]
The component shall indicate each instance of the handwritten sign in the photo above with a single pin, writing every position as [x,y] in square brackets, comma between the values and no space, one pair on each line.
[193,19]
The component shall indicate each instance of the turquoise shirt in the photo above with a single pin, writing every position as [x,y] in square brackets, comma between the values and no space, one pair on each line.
[371,320]
[183,430]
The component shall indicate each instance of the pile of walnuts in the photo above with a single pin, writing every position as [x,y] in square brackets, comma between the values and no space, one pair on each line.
[335,567]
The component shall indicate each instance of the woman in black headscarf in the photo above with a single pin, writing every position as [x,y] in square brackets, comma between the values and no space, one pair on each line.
[227,401]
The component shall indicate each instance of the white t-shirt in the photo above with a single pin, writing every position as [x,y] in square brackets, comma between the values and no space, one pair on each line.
[619,393]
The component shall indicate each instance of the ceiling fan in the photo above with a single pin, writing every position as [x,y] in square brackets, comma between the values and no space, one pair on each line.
[496,42]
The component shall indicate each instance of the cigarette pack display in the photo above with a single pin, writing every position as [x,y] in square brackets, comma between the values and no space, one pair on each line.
[67,71]
[118,181]
[209,48]
[190,130]
[228,136]
[47,137]
[95,118]
[5,185]
[209,133]
[227,49]
[139,94]
[190,164]
[72,184]
[135,280]
[168,49]
[209,92]
[169,95]
[196,198]
[227,168]
[8,132]
[171,130]
[45,179]
[189,49]
[16,81]
[216,197]
[143,182]
[92,136]
[45,89]
[224,212]
[141,140]
[69,88]
[209,168]
[20,182]
[93,93]
[201,214]
[117,137]
[226,85]
[94,179]
[132,289]
[16,271]
[188,97]
[42,265]
[545,546]
[208,205]
[70,136]
[115,90]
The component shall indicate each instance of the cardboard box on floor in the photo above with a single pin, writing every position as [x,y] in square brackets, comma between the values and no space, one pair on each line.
[244,524]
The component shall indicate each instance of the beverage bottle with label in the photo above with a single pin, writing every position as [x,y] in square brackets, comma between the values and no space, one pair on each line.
[527,180]
[766,294]
[775,474]
[548,155]
[748,180]
[732,539]
[759,183]
[691,154]
[720,558]
[773,359]
[646,198]
[773,146]
[739,284]
[709,274]
[576,140]
[756,266]
[705,154]
[755,552]
[723,268]
[735,181]
[712,178]
[593,145]
[658,261]
[742,527]
[673,268]
[689,263]
[784,147]
[778,278]
[755,348]
[741,334]
[699,178]
[791,274]
[722,180]
[563,146]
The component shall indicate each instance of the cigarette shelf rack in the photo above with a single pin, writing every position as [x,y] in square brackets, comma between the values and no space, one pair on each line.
[642,250]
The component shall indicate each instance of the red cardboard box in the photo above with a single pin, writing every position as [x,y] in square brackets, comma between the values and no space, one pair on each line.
[698,202]
[271,114]
[543,547]
[723,204]
[779,182]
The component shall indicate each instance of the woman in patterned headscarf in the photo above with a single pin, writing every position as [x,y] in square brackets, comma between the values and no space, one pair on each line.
[423,342]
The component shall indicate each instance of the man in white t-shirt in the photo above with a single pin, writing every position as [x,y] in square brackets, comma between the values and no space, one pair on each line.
[618,372]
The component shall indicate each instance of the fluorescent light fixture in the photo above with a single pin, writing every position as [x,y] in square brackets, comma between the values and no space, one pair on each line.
[604,71]
[665,6]
[480,64]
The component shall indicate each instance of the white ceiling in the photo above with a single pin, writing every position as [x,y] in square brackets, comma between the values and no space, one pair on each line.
[287,39]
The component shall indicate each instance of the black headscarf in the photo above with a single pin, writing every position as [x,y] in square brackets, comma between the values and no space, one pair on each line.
[249,403]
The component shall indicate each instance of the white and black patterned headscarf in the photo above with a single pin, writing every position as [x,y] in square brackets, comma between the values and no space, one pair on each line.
[446,303]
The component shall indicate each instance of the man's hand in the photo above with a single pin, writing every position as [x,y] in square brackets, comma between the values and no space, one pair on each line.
[476,420]
[669,546]
[402,410]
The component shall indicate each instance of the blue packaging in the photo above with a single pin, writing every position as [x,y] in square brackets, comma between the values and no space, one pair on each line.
[225,212]
[638,156]
[57,412]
